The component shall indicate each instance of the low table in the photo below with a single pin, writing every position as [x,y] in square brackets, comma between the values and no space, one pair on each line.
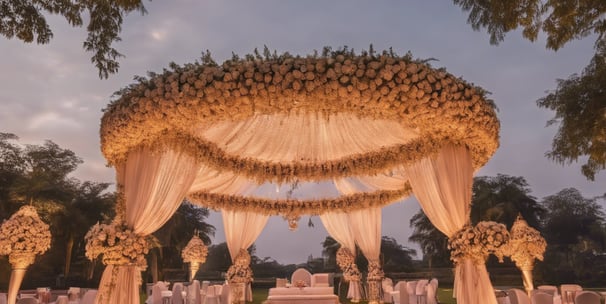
[295,295]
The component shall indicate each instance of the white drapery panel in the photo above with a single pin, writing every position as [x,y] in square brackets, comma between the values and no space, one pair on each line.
[337,225]
[366,227]
[442,185]
[319,137]
[154,184]
[242,229]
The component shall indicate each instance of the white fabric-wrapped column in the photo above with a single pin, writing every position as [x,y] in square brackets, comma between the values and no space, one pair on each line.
[337,225]
[442,185]
[154,185]
[241,230]
[366,227]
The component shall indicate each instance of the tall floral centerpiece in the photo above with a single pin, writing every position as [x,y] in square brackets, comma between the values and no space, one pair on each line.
[238,275]
[119,245]
[525,246]
[23,236]
[195,254]
[347,262]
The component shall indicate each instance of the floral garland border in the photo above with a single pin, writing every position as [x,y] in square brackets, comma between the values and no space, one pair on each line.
[345,203]
[385,87]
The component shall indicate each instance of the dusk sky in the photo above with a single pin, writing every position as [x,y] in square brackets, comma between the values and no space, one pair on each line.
[53,91]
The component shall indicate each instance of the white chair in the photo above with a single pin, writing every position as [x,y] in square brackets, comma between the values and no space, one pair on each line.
[568,292]
[211,296]
[157,290]
[541,298]
[89,297]
[3,298]
[518,296]
[432,291]
[301,275]
[587,297]
[550,289]
[193,293]
[387,287]
[320,280]
[225,294]
[411,289]
[63,300]
[27,301]
[73,294]
[421,291]
[401,293]
[177,296]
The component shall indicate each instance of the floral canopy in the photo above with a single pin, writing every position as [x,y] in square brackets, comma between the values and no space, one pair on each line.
[339,118]
[326,134]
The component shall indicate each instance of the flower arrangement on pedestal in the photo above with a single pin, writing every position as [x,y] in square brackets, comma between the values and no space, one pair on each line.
[476,243]
[23,236]
[525,246]
[194,253]
[118,244]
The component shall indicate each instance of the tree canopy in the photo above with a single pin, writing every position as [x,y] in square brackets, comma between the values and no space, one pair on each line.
[579,102]
[26,21]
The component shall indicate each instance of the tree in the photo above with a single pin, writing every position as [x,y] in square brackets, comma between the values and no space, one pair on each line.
[91,203]
[11,168]
[576,236]
[501,198]
[26,21]
[562,21]
[579,101]
[396,258]
[433,243]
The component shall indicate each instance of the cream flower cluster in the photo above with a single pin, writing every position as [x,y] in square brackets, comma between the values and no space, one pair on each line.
[526,244]
[24,233]
[493,238]
[476,243]
[300,283]
[118,244]
[347,262]
[240,271]
[169,108]
[375,272]
[195,251]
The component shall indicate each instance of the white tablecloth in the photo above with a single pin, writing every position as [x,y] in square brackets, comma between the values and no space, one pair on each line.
[301,291]
[295,295]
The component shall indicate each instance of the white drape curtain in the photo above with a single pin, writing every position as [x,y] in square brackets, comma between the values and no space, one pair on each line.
[154,184]
[366,227]
[242,229]
[337,225]
[443,186]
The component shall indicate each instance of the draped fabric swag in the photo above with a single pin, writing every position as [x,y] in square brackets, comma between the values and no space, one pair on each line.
[154,185]
[337,225]
[443,187]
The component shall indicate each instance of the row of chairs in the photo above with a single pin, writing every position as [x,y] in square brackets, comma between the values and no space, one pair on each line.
[42,295]
[194,293]
[548,294]
[410,292]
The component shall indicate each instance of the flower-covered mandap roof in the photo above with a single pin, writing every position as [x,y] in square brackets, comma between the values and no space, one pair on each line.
[284,134]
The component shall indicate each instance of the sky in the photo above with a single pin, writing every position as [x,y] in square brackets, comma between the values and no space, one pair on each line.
[53,91]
